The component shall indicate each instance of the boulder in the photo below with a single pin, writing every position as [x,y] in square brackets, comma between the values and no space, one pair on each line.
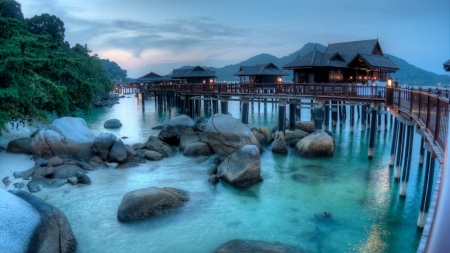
[103,143]
[155,144]
[307,126]
[147,202]
[66,136]
[197,148]
[63,171]
[72,180]
[169,136]
[293,135]
[187,138]
[130,150]
[6,181]
[226,135]
[138,146]
[112,124]
[55,161]
[41,162]
[118,152]
[316,144]
[279,145]
[20,146]
[242,168]
[127,165]
[32,225]
[251,246]
[153,155]
[37,183]
[97,162]
[82,178]
[181,123]
[262,134]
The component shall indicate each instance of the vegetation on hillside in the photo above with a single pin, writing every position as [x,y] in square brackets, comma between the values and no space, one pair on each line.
[114,71]
[39,72]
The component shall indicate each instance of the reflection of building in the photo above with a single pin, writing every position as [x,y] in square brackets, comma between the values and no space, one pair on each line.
[152,78]
[447,65]
[355,61]
[261,73]
[193,75]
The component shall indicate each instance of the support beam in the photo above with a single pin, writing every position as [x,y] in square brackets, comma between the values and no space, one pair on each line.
[327,116]
[422,151]
[394,143]
[333,113]
[224,105]
[292,117]
[244,111]
[426,192]
[318,117]
[352,118]
[407,166]
[215,106]
[398,162]
[372,131]
[282,115]
[363,118]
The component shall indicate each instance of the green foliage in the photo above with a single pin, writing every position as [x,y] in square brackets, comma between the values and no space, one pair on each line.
[46,24]
[10,9]
[113,71]
[40,74]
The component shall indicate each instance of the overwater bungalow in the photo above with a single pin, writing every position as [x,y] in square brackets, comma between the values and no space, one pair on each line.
[353,62]
[193,75]
[152,78]
[447,65]
[261,73]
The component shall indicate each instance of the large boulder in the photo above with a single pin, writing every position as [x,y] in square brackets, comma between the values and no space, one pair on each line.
[294,135]
[112,124]
[103,143]
[307,126]
[242,168]
[279,145]
[187,138]
[251,246]
[20,146]
[172,132]
[144,203]
[153,155]
[316,144]
[29,224]
[159,146]
[226,135]
[64,171]
[262,134]
[118,152]
[66,136]
[197,148]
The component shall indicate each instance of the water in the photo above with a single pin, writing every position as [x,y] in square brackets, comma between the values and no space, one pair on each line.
[287,207]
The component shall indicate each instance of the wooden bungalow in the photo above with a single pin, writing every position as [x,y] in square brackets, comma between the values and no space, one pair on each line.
[353,62]
[152,78]
[193,75]
[447,65]
[261,73]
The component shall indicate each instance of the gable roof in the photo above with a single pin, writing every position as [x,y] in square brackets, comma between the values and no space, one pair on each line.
[193,72]
[375,61]
[350,49]
[152,77]
[447,65]
[317,59]
[265,69]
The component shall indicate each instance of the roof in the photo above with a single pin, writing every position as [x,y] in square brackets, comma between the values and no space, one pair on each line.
[193,72]
[265,69]
[152,77]
[447,65]
[340,55]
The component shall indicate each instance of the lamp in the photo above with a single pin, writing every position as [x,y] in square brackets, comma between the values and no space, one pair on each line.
[389,81]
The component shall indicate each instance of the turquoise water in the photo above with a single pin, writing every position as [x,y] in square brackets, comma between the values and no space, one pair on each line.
[287,207]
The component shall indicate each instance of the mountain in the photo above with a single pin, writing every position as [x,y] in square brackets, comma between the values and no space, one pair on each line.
[408,74]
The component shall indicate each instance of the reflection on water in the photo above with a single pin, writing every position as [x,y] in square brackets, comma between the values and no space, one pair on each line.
[359,195]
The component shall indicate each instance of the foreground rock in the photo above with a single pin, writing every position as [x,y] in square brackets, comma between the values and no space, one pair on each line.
[112,124]
[262,134]
[226,135]
[155,144]
[103,143]
[172,132]
[242,168]
[187,138]
[316,144]
[279,145]
[32,225]
[294,135]
[20,146]
[197,149]
[257,246]
[67,136]
[147,202]
[307,126]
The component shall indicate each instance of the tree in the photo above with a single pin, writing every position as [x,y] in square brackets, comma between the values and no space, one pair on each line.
[10,9]
[113,70]
[47,24]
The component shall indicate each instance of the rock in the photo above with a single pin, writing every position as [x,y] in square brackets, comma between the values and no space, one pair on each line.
[103,144]
[293,135]
[130,150]
[197,148]
[6,181]
[242,168]
[155,144]
[35,132]
[213,179]
[85,166]
[278,145]
[32,225]
[201,158]
[159,127]
[118,152]
[63,172]
[226,135]
[72,180]
[307,126]
[199,120]
[153,155]
[127,165]
[169,136]
[112,124]
[181,123]
[97,162]
[138,146]
[316,144]
[187,138]
[124,137]
[293,143]
[55,161]
[66,136]
[262,134]
[36,184]
[19,185]
[212,170]
[20,146]
[251,246]
[286,125]
[41,162]
[144,203]
[83,178]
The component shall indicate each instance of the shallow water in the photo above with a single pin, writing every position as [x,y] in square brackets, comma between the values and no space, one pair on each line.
[288,206]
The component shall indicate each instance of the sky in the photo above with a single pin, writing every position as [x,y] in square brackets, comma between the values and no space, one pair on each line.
[152,35]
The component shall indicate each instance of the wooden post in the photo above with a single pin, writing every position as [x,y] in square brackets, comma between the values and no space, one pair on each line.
[394,144]
[426,192]
[407,166]
[398,162]
[372,131]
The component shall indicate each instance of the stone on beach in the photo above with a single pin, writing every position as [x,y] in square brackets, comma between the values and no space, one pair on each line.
[307,126]
[316,144]
[197,149]
[112,124]
[279,145]
[262,134]
[20,146]
[118,152]
[103,143]
[187,138]
[153,155]
[155,144]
